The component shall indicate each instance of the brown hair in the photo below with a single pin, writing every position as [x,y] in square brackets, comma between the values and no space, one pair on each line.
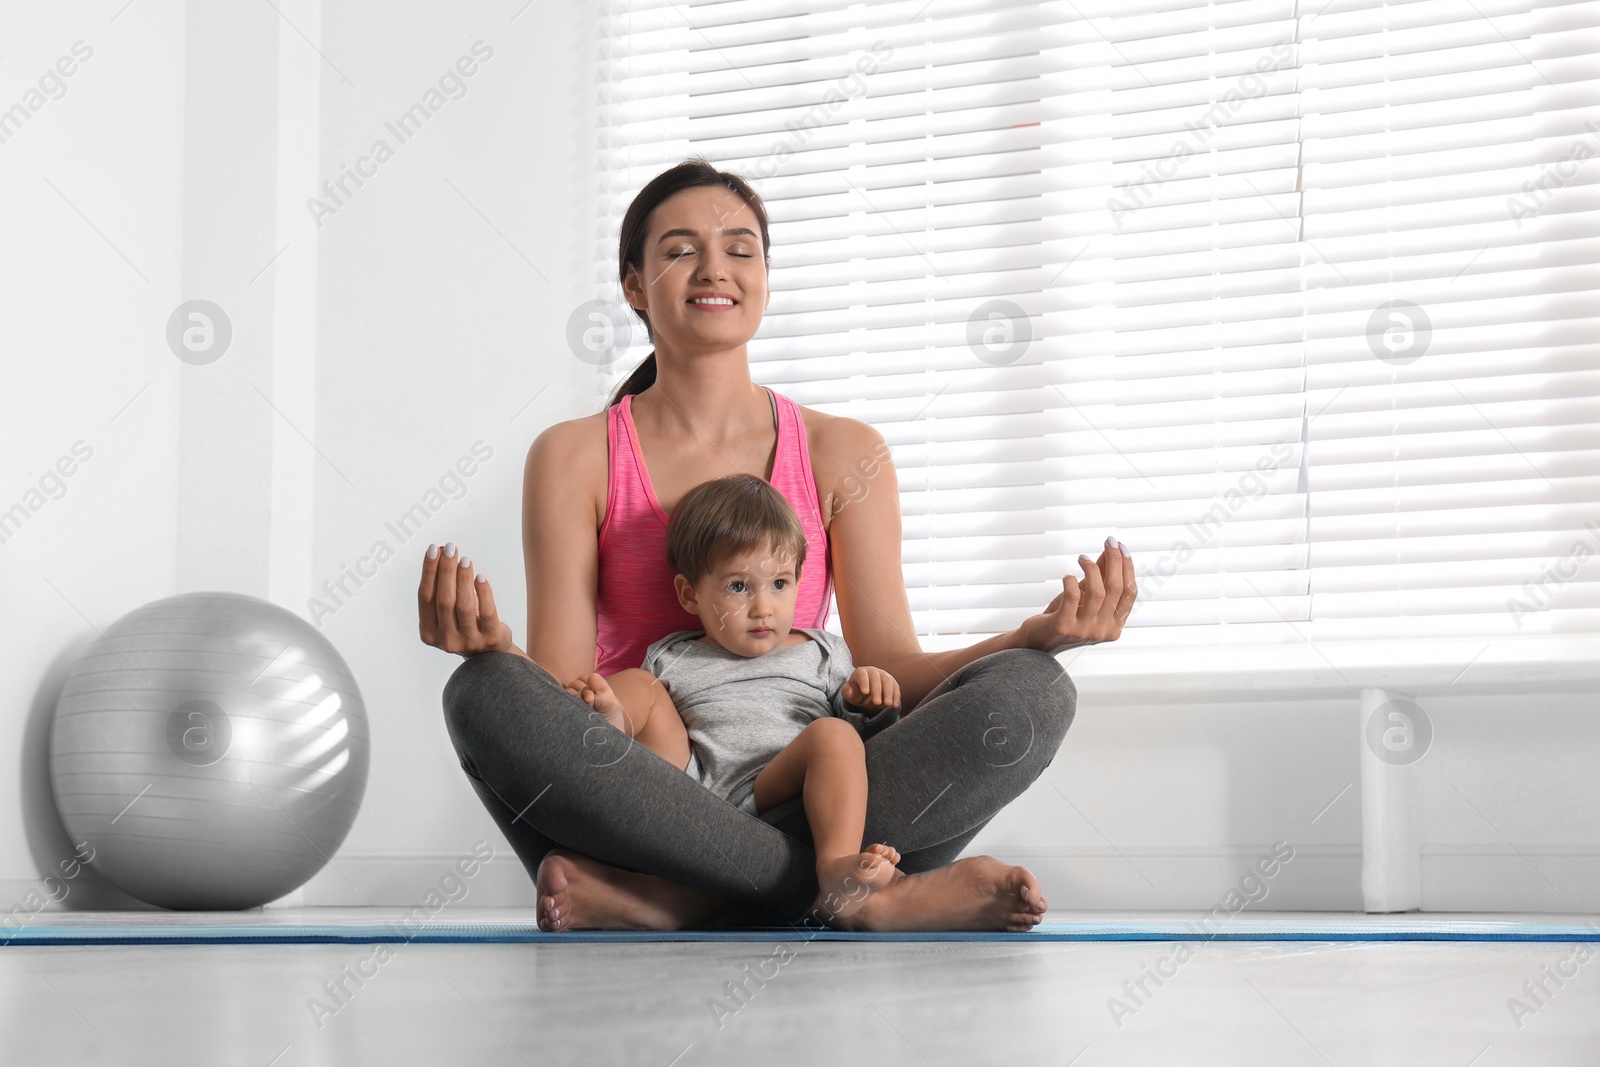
[726,516]
[690,174]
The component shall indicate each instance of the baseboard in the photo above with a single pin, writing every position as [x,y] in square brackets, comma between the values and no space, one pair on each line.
[1538,878]
[1455,878]
[401,880]
[1175,878]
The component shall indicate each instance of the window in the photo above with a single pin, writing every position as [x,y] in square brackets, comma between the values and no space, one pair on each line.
[1299,305]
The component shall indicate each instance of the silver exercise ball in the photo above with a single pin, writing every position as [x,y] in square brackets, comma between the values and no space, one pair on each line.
[212,748]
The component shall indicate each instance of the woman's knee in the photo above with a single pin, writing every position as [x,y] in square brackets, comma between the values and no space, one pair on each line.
[481,687]
[1042,690]
[1057,694]
[463,692]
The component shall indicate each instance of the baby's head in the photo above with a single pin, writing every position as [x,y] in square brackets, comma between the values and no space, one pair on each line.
[737,547]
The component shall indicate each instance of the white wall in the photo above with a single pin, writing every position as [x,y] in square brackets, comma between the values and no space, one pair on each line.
[90,267]
[1169,804]
[423,316]
[446,285]
[370,352]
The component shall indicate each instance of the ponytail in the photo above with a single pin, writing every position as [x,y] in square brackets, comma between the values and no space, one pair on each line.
[642,378]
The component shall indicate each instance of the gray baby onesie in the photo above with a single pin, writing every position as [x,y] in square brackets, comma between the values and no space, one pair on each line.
[740,711]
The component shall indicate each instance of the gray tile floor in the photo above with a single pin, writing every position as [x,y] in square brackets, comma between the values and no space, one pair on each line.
[655,1005]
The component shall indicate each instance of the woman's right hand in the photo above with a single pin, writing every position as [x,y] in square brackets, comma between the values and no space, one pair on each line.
[455,611]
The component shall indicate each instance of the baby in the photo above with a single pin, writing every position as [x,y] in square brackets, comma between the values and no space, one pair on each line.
[759,713]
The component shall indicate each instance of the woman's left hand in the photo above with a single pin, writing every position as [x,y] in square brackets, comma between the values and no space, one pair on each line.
[1089,610]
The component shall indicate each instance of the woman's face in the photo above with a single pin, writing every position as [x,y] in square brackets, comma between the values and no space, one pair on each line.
[701,243]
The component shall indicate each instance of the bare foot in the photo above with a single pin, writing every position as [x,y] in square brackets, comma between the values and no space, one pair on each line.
[888,852]
[847,882]
[598,694]
[577,892]
[976,893]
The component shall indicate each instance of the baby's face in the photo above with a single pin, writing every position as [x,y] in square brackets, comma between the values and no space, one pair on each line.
[746,602]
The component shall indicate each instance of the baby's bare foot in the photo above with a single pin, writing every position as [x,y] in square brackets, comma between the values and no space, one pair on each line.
[577,892]
[888,852]
[598,694]
[846,882]
[976,893]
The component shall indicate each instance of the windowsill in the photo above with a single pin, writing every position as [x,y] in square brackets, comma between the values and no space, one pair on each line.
[1326,669]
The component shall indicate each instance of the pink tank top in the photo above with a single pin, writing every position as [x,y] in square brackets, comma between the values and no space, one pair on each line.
[637,604]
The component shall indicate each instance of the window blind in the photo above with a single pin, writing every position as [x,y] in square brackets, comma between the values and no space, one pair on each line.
[1296,304]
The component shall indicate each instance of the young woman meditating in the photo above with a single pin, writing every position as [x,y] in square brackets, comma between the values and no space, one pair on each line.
[616,837]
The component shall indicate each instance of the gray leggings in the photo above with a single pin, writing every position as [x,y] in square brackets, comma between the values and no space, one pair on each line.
[553,773]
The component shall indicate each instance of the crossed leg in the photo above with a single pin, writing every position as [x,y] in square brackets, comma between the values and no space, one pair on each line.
[615,836]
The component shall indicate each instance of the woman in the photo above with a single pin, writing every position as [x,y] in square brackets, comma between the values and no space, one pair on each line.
[617,837]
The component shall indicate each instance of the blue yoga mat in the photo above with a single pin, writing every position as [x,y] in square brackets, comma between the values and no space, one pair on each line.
[367,932]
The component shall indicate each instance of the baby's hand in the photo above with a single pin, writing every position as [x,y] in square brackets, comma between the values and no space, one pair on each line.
[871,689]
[598,695]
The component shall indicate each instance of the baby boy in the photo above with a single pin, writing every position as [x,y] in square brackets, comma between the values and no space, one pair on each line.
[755,710]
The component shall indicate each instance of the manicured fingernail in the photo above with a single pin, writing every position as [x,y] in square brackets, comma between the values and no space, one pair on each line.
[481,577]
[1112,542]
[465,562]
[450,549]
[1086,559]
[433,551]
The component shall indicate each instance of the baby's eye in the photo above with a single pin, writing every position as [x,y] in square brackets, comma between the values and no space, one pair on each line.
[780,582]
[736,586]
